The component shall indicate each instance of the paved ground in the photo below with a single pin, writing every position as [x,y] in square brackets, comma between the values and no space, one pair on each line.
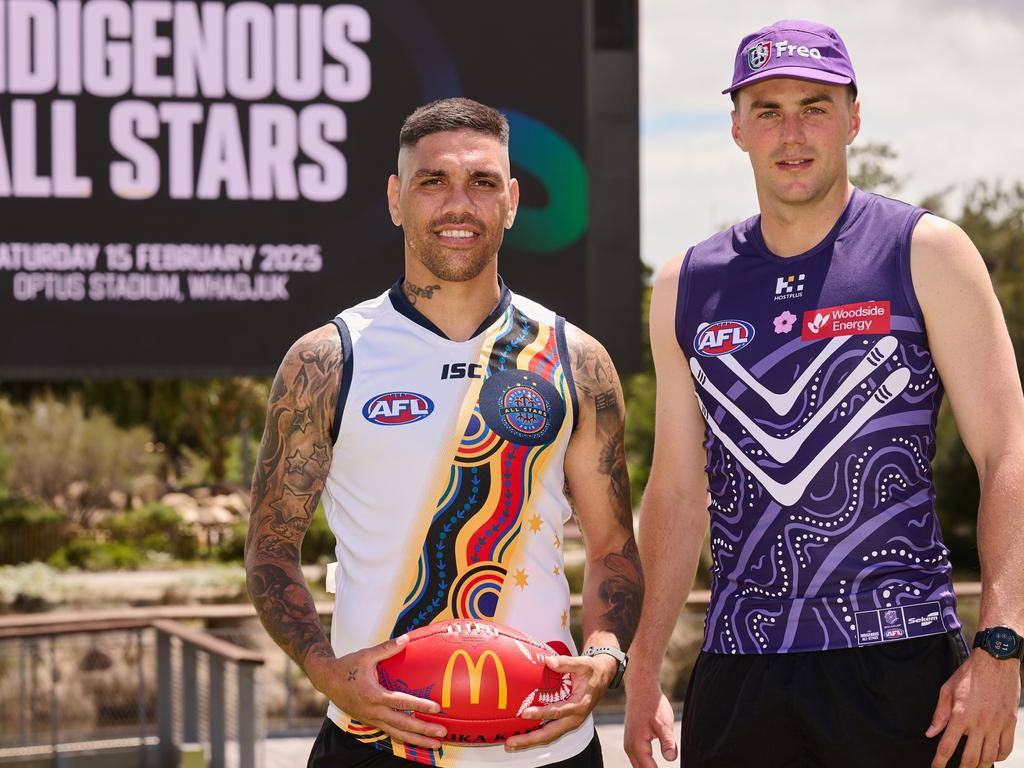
[293,752]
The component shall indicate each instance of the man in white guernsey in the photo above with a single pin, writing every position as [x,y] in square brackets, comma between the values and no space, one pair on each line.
[446,424]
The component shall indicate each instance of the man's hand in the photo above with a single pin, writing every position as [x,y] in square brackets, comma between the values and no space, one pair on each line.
[980,702]
[649,716]
[351,683]
[591,676]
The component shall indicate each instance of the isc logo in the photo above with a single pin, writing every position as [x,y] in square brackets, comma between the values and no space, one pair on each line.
[397,408]
[461,371]
[723,337]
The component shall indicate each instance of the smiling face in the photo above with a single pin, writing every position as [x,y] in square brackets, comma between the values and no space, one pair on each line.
[453,197]
[796,133]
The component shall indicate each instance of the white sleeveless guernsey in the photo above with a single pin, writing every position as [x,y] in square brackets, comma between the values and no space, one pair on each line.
[446,489]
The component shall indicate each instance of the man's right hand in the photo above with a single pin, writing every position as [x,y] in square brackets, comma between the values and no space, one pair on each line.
[649,716]
[351,683]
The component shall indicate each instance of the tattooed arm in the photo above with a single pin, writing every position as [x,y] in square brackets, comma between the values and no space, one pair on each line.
[613,583]
[595,467]
[294,459]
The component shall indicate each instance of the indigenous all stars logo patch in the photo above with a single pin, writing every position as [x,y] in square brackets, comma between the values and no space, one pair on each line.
[759,55]
[522,407]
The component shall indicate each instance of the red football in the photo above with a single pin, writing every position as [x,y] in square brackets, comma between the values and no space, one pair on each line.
[482,674]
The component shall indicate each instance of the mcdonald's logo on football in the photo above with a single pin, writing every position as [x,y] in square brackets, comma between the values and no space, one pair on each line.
[475,671]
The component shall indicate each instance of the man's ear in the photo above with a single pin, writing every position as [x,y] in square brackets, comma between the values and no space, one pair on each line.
[737,132]
[854,122]
[394,196]
[513,203]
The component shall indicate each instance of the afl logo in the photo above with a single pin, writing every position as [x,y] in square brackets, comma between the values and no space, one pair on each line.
[723,337]
[522,407]
[397,408]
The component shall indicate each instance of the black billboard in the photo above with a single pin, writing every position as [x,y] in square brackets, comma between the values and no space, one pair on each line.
[186,187]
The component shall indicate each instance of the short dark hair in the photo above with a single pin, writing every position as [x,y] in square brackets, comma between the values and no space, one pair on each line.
[453,115]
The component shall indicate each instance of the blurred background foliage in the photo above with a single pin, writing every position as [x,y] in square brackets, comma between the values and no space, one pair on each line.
[84,464]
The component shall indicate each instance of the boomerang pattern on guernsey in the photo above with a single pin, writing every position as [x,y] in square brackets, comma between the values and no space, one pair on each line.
[820,429]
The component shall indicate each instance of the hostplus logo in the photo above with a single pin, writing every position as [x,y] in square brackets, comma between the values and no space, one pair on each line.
[761,54]
[789,287]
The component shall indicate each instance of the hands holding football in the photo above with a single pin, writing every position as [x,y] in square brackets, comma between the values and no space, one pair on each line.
[351,683]
[495,684]
[591,676]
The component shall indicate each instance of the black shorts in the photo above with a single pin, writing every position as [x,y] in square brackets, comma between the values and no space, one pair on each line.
[846,708]
[334,748]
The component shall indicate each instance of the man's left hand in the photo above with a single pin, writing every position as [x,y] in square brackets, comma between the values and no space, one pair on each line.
[980,702]
[591,676]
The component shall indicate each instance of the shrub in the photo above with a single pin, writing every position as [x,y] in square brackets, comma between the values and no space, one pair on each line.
[55,452]
[29,530]
[18,511]
[232,548]
[90,555]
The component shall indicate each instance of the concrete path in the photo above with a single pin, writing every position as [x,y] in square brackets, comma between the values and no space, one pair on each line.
[293,752]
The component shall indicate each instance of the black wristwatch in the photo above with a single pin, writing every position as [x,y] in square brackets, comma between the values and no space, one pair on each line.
[616,654]
[1000,642]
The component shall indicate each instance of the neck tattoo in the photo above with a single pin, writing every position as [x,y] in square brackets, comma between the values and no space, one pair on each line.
[414,292]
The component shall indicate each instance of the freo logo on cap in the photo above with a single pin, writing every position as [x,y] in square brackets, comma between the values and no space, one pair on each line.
[723,337]
[759,55]
[393,408]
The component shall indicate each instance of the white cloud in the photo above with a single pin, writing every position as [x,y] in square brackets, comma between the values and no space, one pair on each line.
[939,81]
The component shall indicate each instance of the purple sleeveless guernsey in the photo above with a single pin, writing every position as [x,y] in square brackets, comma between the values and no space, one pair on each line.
[820,399]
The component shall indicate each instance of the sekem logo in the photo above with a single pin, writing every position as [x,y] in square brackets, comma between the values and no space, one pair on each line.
[723,337]
[393,408]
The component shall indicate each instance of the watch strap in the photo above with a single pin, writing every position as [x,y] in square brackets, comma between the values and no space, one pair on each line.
[616,654]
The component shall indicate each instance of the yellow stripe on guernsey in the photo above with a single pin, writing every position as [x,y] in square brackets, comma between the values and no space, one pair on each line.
[414,568]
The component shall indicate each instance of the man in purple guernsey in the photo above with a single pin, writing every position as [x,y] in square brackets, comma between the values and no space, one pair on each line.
[802,356]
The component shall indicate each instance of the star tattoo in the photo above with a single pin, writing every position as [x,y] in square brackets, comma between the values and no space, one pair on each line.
[302,420]
[319,455]
[296,462]
[291,504]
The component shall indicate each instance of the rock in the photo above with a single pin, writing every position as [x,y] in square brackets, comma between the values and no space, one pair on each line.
[215,515]
[178,501]
[236,502]
[148,487]
[76,490]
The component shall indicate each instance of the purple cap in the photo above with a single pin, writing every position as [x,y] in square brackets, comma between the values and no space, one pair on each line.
[804,50]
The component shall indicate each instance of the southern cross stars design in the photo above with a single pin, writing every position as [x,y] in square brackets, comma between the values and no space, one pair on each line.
[565,617]
[535,523]
[521,578]
[558,542]
[558,571]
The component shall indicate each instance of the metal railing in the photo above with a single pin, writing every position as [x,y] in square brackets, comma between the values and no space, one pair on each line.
[64,692]
[179,689]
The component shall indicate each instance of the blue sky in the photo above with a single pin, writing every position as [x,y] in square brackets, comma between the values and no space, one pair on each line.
[940,82]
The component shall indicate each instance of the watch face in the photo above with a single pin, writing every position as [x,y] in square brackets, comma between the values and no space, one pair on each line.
[1002,642]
